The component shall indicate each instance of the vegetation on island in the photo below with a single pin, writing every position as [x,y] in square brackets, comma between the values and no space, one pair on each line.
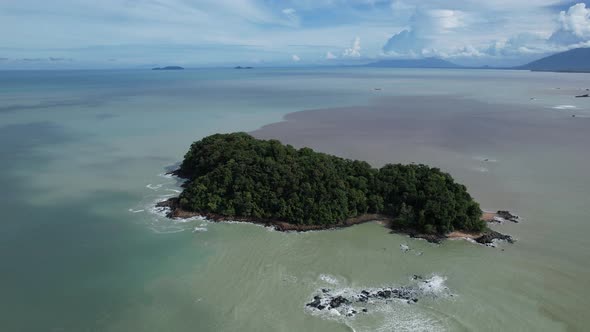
[240,176]
[168,68]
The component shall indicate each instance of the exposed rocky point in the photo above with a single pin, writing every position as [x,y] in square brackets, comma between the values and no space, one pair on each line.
[506,215]
[490,237]
[351,303]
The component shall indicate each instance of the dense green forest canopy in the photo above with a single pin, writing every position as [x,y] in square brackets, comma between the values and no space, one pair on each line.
[240,176]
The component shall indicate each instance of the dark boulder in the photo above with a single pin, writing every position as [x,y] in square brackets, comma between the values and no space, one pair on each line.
[385,294]
[338,301]
[316,303]
[508,216]
[490,236]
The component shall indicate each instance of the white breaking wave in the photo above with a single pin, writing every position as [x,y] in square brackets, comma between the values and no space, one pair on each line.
[136,211]
[159,230]
[160,211]
[329,279]
[393,314]
[192,219]
[153,187]
[481,169]
[565,107]
[434,286]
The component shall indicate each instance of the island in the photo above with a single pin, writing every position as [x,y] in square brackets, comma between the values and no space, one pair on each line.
[168,68]
[240,67]
[240,178]
[576,60]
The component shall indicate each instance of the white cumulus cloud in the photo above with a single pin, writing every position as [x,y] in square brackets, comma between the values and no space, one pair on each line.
[431,32]
[425,27]
[291,15]
[295,58]
[405,42]
[330,56]
[574,26]
[439,20]
[355,49]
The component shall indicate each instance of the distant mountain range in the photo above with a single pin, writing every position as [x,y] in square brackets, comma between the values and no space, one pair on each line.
[414,63]
[576,60]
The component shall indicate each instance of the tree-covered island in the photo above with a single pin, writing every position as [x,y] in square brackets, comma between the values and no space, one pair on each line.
[237,177]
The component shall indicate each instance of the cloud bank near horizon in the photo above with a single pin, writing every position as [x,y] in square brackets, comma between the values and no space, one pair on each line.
[119,33]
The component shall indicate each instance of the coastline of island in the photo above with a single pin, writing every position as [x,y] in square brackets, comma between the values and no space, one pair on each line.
[486,237]
[254,178]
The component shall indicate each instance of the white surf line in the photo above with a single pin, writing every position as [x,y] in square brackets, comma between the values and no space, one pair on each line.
[153,187]
[565,107]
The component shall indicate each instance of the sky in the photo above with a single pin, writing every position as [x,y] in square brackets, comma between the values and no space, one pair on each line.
[58,34]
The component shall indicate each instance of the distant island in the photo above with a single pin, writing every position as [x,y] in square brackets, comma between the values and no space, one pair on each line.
[240,67]
[168,68]
[240,178]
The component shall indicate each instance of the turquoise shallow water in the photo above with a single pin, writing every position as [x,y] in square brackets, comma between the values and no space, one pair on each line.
[84,152]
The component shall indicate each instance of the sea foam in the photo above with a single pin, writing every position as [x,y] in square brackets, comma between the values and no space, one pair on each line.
[386,314]
[564,107]
[329,279]
[153,186]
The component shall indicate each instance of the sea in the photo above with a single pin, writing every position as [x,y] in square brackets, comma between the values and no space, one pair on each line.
[84,156]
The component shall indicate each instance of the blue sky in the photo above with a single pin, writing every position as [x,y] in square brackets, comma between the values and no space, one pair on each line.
[200,33]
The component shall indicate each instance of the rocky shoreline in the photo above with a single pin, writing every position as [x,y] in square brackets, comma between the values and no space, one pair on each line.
[488,237]
[176,212]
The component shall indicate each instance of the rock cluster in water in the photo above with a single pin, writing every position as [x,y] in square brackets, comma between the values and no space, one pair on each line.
[506,215]
[489,238]
[351,304]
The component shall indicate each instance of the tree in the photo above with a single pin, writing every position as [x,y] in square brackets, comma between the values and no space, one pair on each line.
[238,175]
